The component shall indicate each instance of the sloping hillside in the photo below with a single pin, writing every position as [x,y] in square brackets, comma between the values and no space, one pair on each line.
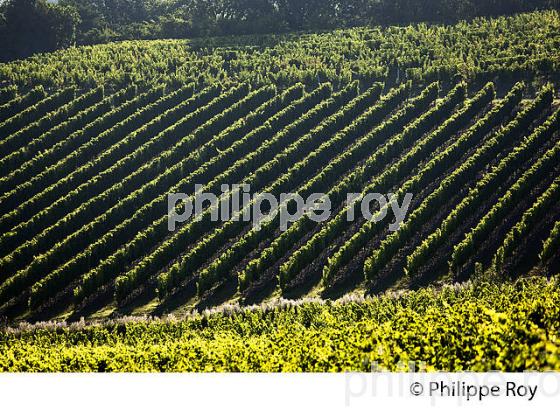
[92,140]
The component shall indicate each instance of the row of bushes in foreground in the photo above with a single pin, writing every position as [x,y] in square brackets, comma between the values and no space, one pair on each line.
[478,326]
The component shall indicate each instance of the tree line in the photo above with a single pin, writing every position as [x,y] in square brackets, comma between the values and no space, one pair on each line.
[32,26]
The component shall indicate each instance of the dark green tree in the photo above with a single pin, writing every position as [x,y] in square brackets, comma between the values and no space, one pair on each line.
[33,26]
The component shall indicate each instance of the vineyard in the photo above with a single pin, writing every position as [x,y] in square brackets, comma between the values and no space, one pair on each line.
[463,118]
[513,327]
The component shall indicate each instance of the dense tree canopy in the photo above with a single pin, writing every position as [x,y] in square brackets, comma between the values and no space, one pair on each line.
[30,26]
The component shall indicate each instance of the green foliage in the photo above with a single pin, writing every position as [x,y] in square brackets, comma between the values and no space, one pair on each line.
[476,327]
[395,142]
[508,48]
[450,184]
[365,179]
[12,103]
[95,138]
[24,163]
[491,179]
[154,230]
[148,19]
[34,26]
[530,218]
[33,195]
[551,244]
[522,187]
[354,152]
